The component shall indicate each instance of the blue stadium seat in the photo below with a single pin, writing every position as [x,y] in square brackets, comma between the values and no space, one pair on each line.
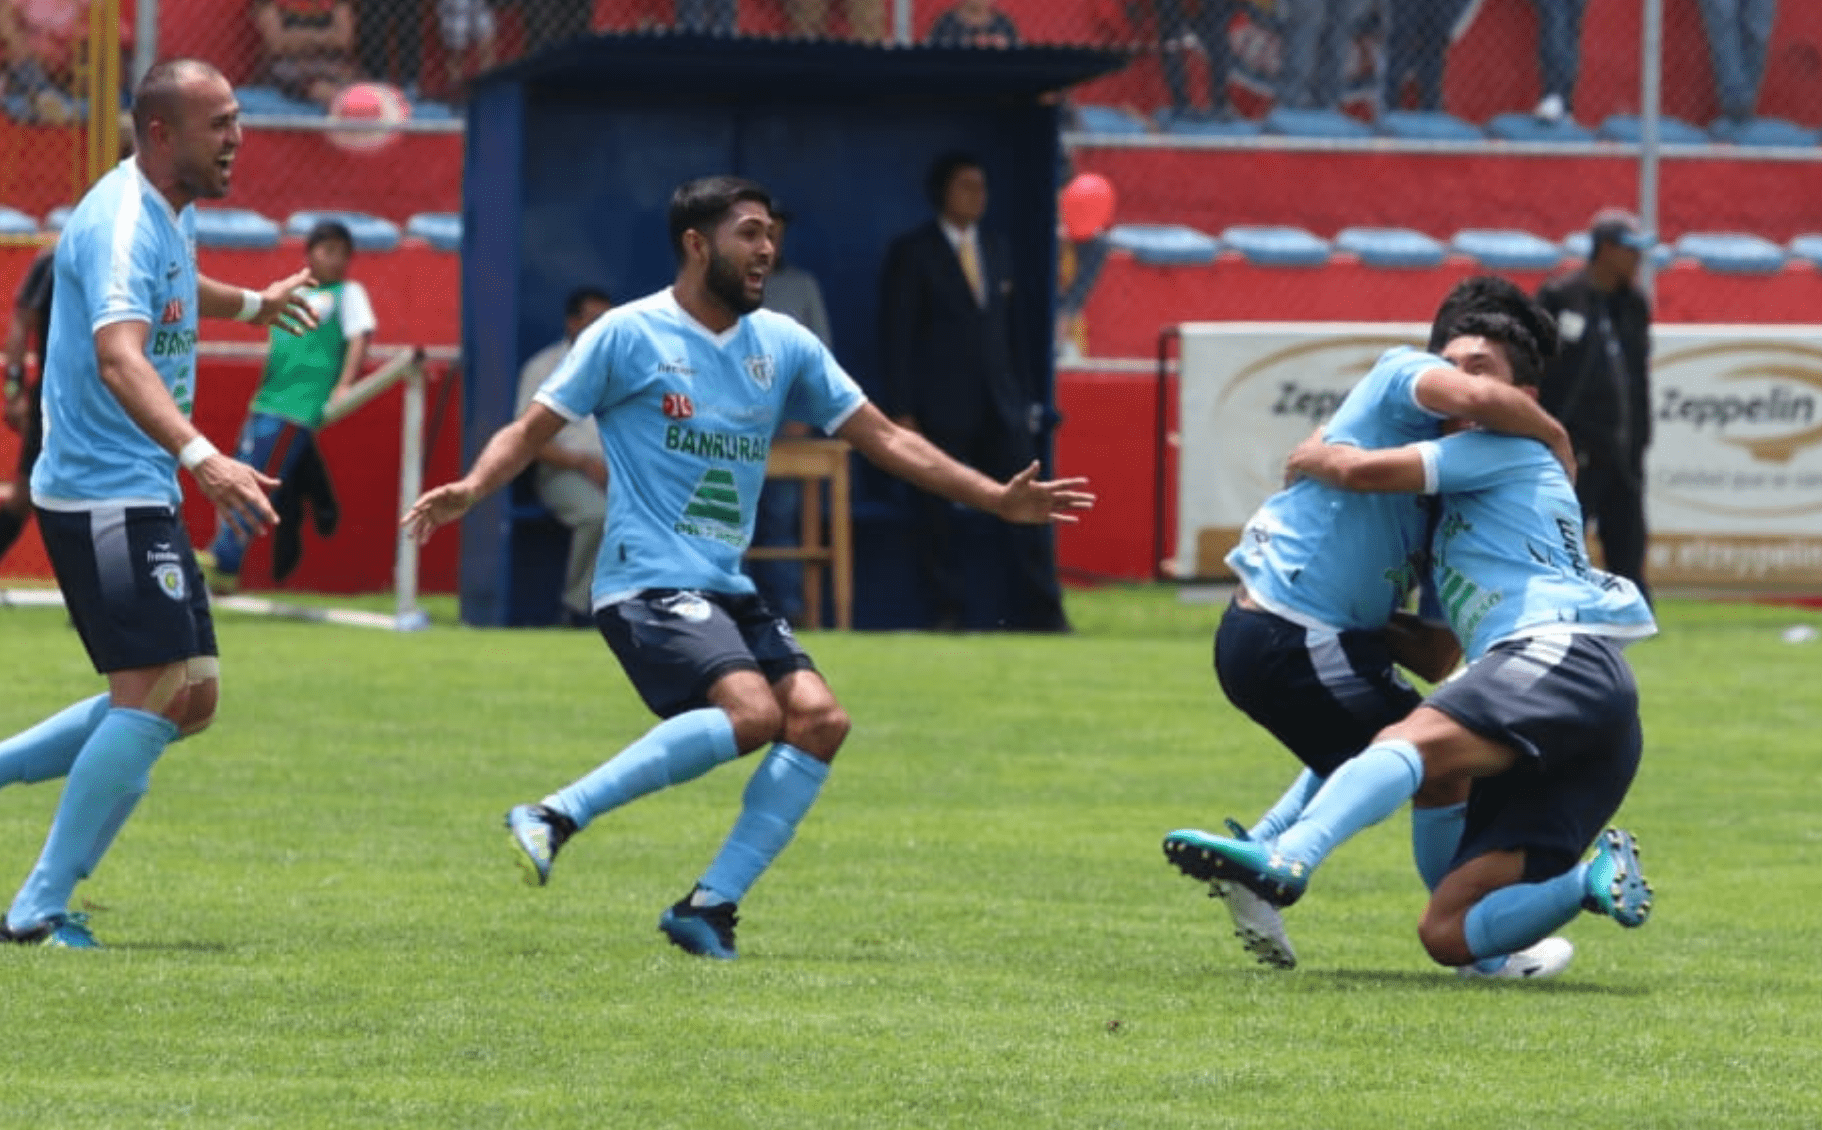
[1529,127]
[1332,124]
[57,217]
[15,222]
[1764,133]
[1108,119]
[1201,125]
[433,112]
[1391,247]
[270,102]
[234,227]
[1427,125]
[1732,252]
[1631,127]
[1277,246]
[1807,246]
[1578,244]
[370,232]
[1164,244]
[1503,250]
[442,230]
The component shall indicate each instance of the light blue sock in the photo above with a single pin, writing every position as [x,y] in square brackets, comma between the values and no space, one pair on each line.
[782,789]
[116,820]
[1364,791]
[48,749]
[676,750]
[1289,807]
[1514,917]
[1435,834]
[107,774]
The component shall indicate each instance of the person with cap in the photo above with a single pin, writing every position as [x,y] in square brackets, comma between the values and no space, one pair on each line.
[1599,386]
[303,375]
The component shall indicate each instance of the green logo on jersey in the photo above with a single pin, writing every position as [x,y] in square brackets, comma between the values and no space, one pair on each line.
[714,509]
[173,343]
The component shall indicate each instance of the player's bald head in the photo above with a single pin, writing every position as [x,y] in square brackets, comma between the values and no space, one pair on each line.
[161,92]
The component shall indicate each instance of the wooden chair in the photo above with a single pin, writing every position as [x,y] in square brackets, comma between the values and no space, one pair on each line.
[815,462]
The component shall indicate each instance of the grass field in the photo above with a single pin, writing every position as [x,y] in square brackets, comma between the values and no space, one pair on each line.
[314,920]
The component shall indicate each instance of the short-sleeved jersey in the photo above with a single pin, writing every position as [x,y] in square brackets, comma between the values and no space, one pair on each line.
[1335,559]
[124,256]
[1509,554]
[686,418]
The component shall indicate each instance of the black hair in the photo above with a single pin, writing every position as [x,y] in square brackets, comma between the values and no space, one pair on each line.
[581,296]
[1520,344]
[701,204]
[323,231]
[1492,294]
[943,170]
[160,91]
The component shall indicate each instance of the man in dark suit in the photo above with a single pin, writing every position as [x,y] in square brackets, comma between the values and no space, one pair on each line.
[952,370]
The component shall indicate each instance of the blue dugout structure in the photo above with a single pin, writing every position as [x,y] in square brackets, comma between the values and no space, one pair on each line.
[572,157]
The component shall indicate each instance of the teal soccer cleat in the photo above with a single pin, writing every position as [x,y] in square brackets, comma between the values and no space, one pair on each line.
[706,931]
[537,831]
[1616,885]
[61,932]
[1255,866]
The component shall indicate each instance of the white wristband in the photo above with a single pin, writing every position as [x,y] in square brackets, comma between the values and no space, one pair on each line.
[250,302]
[195,452]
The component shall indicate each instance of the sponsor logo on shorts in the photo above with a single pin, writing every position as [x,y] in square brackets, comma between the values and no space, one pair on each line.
[685,606]
[677,406]
[170,580]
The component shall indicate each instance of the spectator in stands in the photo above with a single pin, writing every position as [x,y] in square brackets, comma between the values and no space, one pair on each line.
[779,520]
[953,370]
[309,46]
[1208,22]
[571,471]
[974,23]
[1559,55]
[1739,36]
[24,411]
[866,18]
[718,17]
[555,21]
[1599,386]
[1317,37]
[38,40]
[391,41]
[1417,45]
[467,28]
[304,374]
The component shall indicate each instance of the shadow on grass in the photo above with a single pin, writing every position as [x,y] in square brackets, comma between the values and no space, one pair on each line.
[1444,981]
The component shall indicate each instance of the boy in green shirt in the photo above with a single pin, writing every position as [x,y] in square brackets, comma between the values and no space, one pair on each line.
[303,375]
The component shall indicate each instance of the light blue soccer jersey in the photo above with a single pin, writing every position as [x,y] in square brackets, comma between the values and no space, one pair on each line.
[686,418]
[1329,558]
[1510,559]
[124,256]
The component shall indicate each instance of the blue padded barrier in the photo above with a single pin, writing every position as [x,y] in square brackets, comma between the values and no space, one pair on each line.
[1504,250]
[1108,119]
[1277,246]
[1631,127]
[371,233]
[1529,127]
[1427,125]
[1164,244]
[1391,247]
[442,230]
[1732,252]
[1332,124]
[234,227]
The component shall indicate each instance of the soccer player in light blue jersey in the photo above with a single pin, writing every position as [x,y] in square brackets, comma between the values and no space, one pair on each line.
[119,379]
[687,387]
[1544,722]
[1306,648]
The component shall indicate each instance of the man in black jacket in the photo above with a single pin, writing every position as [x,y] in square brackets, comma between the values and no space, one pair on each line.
[1600,385]
[952,369]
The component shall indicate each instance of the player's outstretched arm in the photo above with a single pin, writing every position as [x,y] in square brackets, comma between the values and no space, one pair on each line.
[237,490]
[280,304]
[1394,470]
[1495,406]
[510,451]
[909,456]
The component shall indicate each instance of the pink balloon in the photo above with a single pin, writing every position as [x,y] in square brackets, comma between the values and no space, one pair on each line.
[1087,205]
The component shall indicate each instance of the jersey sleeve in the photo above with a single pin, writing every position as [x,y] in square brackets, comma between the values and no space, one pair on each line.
[579,386]
[822,394]
[1474,460]
[1401,392]
[124,270]
[357,310]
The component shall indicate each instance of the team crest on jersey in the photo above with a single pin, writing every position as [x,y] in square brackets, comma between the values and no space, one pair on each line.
[677,406]
[762,369]
[170,580]
[173,312]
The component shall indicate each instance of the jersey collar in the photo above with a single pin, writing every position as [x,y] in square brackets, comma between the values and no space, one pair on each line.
[721,339]
[147,188]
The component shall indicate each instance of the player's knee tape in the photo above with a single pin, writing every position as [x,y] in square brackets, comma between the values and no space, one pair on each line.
[200,670]
[171,679]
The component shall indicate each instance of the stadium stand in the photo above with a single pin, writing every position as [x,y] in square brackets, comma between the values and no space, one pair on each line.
[1276,245]
[1630,128]
[1426,125]
[442,230]
[1285,121]
[1391,247]
[1732,252]
[1505,250]
[15,222]
[371,233]
[234,227]
[1164,244]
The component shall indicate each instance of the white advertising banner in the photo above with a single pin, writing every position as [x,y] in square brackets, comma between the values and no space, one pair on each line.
[1734,472]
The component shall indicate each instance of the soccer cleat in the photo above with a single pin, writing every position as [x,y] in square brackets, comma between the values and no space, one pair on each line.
[1257,867]
[61,931]
[1257,924]
[1616,885]
[1541,959]
[707,931]
[538,831]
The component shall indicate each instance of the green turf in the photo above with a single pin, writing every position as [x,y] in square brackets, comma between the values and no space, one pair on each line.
[313,920]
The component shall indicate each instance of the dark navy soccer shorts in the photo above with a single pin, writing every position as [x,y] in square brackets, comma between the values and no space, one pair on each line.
[130,583]
[674,643]
[1324,695]
[1568,704]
